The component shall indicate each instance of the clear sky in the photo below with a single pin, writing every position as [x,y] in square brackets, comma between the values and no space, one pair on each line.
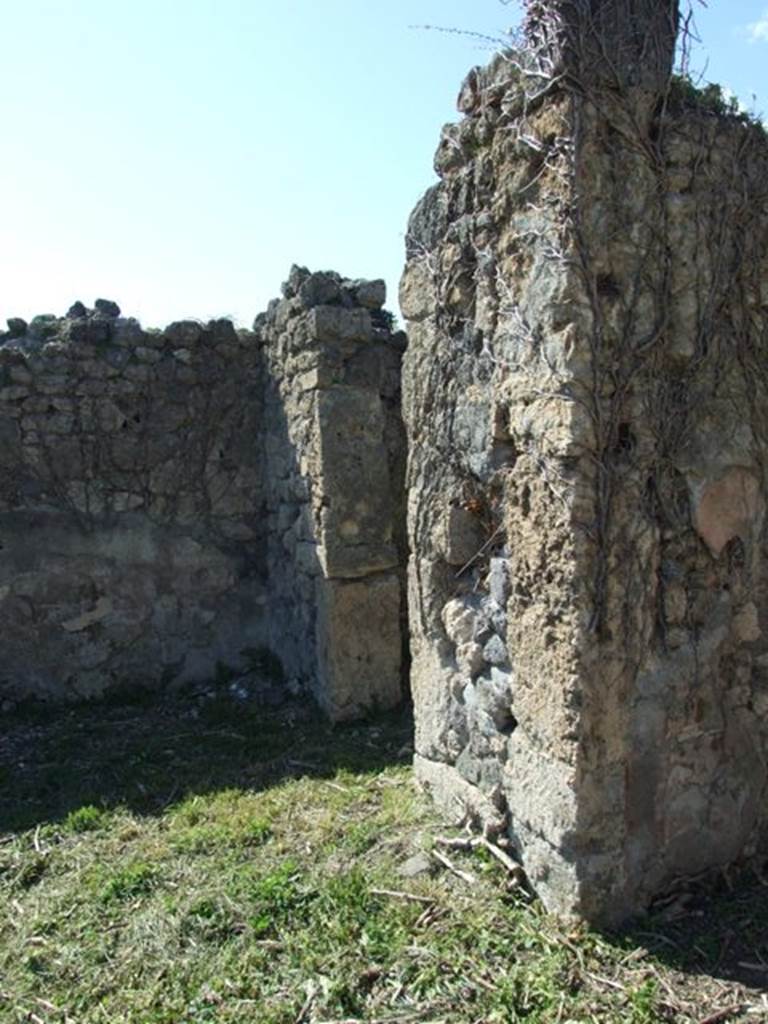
[178,155]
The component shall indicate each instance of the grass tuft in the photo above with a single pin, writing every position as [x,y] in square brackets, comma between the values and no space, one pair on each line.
[85,819]
[128,882]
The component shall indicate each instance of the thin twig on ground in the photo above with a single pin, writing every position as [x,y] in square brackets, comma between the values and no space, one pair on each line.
[397,895]
[465,876]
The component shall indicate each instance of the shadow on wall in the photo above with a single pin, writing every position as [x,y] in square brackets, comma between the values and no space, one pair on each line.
[131,520]
[172,501]
[334,464]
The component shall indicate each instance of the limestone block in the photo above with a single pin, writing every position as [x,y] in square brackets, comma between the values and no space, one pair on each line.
[460,535]
[320,289]
[370,294]
[10,438]
[469,658]
[334,323]
[124,501]
[359,645]
[495,651]
[307,558]
[319,377]
[417,299]
[469,94]
[13,392]
[355,536]
[558,425]
[108,416]
[101,609]
[746,624]
[20,374]
[451,793]
[147,355]
[139,372]
[183,334]
[675,603]
[461,621]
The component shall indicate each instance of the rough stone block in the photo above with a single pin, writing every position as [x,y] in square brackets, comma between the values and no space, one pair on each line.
[356,527]
[359,645]
[334,323]
[460,535]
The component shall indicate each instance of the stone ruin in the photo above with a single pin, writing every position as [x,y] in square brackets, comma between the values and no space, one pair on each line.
[200,502]
[584,390]
[585,394]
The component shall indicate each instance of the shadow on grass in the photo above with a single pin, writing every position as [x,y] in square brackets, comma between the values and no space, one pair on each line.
[717,928]
[147,754]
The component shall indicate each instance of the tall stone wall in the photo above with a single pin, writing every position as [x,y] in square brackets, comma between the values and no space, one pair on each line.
[585,397]
[165,499]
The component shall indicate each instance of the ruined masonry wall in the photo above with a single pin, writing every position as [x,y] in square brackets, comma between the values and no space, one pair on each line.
[149,484]
[334,465]
[493,644]
[585,397]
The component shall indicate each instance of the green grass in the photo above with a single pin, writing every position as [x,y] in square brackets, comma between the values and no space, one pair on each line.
[85,819]
[157,868]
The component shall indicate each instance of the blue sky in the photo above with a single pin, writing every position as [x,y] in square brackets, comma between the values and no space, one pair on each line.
[179,156]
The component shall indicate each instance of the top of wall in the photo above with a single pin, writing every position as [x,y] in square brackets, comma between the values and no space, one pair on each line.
[104,328]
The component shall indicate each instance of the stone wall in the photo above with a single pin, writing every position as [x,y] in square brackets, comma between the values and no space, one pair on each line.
[334,467]
[165,499]
[585,396]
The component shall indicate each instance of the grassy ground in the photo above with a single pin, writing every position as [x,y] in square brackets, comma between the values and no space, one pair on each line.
[167,865]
